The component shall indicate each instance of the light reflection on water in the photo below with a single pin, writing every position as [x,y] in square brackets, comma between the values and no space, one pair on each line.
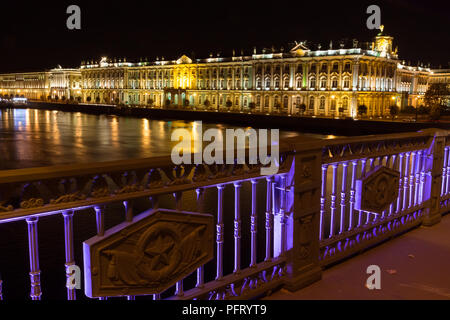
[33,138]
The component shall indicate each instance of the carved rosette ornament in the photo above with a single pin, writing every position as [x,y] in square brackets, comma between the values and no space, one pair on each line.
[377,189]
[148,255]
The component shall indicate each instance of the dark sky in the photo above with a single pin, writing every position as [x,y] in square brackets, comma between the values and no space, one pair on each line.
[33,35]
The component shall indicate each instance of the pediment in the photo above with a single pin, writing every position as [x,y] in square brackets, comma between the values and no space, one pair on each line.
[184,60]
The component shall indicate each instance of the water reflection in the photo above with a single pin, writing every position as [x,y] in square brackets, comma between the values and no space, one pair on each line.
[31,138]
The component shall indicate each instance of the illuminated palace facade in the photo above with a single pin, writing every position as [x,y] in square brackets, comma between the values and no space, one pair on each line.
[41,85]
[328,82]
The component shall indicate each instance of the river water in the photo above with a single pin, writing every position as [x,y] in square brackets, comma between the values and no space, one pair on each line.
[35,138]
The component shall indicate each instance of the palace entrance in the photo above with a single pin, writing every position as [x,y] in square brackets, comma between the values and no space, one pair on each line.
[175,96]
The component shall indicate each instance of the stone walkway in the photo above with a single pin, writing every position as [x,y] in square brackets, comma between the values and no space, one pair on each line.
[415,265]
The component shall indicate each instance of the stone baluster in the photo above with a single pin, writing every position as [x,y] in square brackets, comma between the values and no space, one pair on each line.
[68,242]
[35,272]
[254,225]
[219,233]
[268,222]
[323,197]
[343,196]
[237,227]
[352,195]
[333,199]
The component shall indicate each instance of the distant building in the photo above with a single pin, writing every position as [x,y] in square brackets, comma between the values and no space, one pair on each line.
[329,82]
[53,83]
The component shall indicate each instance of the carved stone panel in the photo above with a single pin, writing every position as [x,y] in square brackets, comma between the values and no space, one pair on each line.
[148,255]
[377,189]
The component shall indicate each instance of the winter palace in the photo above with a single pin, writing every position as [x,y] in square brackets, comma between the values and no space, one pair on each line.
[319,81]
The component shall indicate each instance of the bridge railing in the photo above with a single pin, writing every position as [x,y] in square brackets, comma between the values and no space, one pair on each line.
[329,200]
[419,194]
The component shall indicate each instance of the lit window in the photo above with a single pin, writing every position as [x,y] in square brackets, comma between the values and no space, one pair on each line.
[311,103]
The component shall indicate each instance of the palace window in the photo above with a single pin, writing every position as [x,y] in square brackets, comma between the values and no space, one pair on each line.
[323,83]
[276,101]
[285,101]
[266,101]
[299,83]
[346,83]
[267,83]
[312,83]
[345,103]
[322,103]
[238,84]
[245,101]
[333,105]
[277,83]
[311,103]
[286,83]
[258,100]
[335,67]
[323,68]
[347,67]
[258,83]
[334,83]
[298,101]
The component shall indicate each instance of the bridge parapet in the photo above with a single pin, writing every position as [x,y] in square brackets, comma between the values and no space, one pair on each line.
[295,222]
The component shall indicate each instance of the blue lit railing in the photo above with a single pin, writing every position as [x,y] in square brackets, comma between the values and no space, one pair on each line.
[271,231]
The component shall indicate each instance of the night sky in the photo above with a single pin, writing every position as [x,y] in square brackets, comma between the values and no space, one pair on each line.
[33,35]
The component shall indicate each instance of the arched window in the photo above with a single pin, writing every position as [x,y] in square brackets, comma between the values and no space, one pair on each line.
[277,83]
[285,101]
[323,83]
[276,100]
[346,83]
[258,83]
[322,103]
[311,103]
[299,83]
[258,100]
[236,101]
[286,83]
[245,101]
[267,83]
[312,83]
[334,82]
[345,103]
[266,101]
[333,104]
[298,100]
